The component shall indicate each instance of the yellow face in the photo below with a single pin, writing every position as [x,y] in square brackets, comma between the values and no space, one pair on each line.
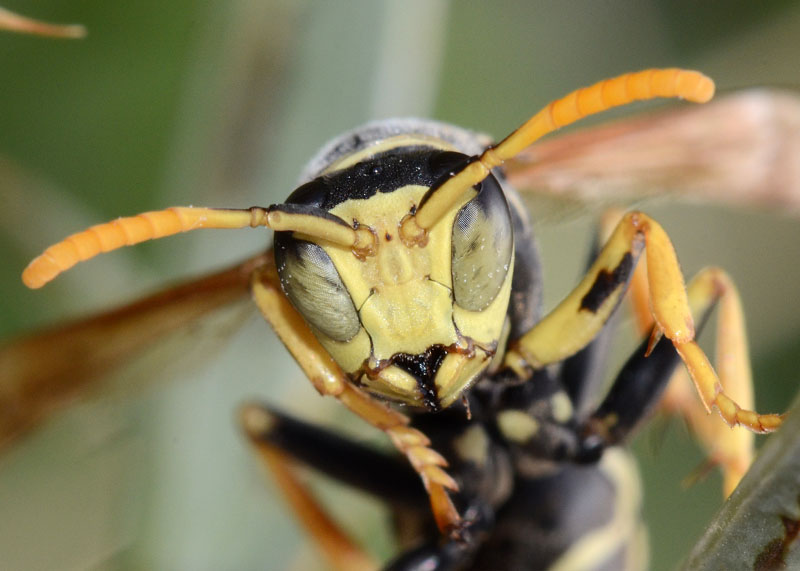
[414,324]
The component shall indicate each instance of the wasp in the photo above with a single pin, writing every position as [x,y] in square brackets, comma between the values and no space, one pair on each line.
[404,279]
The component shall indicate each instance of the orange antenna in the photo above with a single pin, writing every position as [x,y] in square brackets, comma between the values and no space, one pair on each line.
[606,94]
[16,23]
[152,225]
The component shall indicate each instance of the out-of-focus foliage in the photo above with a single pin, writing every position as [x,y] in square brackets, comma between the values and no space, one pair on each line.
[758,526]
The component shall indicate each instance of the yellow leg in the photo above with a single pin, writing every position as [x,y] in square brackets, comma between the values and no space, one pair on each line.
[338,549]
[731,448]
[679,397]
[329,379]
[576,321]
[639,293]
[580,316]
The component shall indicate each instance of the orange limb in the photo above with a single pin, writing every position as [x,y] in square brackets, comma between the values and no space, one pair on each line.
[731,448]
[21,24]
[579,318]
[604,95]
[132,230]
[339,550]
[328,378]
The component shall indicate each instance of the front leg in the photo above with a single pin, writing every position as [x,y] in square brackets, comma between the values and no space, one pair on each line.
[329,379]
[579,318]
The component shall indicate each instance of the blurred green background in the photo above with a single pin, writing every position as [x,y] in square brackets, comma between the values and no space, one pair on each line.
[220,104]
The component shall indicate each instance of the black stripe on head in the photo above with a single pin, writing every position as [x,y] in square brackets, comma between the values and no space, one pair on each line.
[384,172]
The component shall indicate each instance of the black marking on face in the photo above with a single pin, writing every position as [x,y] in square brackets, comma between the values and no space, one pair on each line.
[448,164]
[384,172]
[423,368]
[606,284]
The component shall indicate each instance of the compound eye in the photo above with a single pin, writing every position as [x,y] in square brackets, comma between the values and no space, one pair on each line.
[313,285]
[482,245]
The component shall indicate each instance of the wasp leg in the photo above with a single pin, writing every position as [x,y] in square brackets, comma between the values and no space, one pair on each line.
[328,378]
[282,442]
[386,477]
[578,318]
[731,449]
[582,374]
[639,385]
[261,427]
[638,291]
[678,397]
[635,391]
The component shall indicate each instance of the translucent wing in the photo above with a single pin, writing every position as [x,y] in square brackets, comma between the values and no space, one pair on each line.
[742,149]
[43,373]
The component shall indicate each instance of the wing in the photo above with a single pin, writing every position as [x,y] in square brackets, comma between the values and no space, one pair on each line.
[742,149]
[43,373]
